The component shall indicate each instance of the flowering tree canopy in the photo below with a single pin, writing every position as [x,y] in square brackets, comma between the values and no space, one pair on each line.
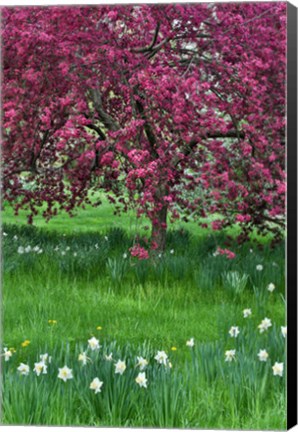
[177,110]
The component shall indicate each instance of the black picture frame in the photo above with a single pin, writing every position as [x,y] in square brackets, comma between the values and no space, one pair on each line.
[292,215]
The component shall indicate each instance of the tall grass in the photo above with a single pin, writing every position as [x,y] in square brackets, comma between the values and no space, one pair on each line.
[91,286]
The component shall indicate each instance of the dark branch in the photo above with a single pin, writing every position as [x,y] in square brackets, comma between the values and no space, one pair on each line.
[107,120]
[150,135]
[149,47]
[98,130]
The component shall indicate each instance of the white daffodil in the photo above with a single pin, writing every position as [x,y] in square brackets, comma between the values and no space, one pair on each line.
[24,369]
[271,287]
[230,355]
[234,331]
[96,385]
[263,355]
[142,363]
[109,357]
[190,343]
[216,253]
[124,255]
[40,367]
[44,357]
[28,249]
[120,367]
[56,248]
[35,249]
[4,234]
[161,357]
[75,254]
[259,267]
[15,237]
[40,251]
[96,246]
[7,354]
[172,251]
[65,373]
[284,331]
[265,324]
[278,369]
[83,358]
[246,313]
[67,248]
[63,253]
[21,250]
[94,344]
[106,238]
[142,380]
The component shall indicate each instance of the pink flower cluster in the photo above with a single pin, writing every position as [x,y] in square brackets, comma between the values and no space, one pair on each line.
[139,252]
[229,254]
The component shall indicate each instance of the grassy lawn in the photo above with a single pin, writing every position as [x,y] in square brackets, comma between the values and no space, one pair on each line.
[86,284]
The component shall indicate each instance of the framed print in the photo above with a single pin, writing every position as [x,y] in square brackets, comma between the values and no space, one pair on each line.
[149,215]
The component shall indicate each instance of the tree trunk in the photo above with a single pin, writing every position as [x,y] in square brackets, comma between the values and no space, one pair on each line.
[159,230]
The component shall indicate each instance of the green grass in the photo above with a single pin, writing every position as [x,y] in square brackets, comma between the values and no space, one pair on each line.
[141,307]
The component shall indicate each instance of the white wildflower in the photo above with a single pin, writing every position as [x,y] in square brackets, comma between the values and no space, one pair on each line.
[234,331]
[109,357]
[246,313]
[142,380]
[44,357]
[263,355]
[230,355]
[94,343]
[96,385]
[23,369]
[265,324]
[40,367]
[120,367]
[271,287]
[278,369]
[161,357]
[190,343]
[142,363]
[7,354]
[65,373]
[83,358]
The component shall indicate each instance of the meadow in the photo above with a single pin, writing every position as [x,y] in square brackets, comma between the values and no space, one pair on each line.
[211,329]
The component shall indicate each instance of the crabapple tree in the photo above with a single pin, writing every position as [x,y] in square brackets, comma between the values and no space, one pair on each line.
[176,110]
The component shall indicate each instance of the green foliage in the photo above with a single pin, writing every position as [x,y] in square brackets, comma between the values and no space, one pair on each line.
[145,306]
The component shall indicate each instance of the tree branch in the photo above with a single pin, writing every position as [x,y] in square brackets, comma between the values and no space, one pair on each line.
[149,47]
[108,121]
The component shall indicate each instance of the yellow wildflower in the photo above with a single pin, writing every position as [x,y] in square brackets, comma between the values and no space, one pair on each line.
[25,343]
